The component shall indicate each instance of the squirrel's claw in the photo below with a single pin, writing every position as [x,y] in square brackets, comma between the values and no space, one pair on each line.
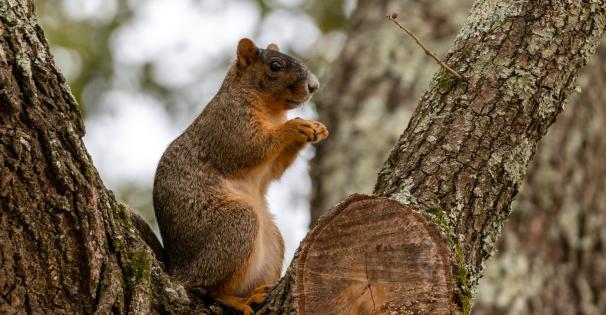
[320,132]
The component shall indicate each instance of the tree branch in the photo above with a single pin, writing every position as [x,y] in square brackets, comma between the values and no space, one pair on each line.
[394,16]
[467,147]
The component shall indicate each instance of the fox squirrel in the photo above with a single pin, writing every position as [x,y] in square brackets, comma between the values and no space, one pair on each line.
[210,185]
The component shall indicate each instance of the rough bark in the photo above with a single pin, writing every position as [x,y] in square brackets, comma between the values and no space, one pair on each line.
[468,145]
[66,245]
[552,259]
[69,247]
[372,89]
[521,278]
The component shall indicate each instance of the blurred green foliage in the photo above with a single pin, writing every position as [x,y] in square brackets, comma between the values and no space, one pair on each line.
[88,40]
[328,15]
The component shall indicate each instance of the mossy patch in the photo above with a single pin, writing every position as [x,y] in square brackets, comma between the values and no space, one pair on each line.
[460,274]
[118,242]
[445,81]
[120,210]
[139,267]
[90,173]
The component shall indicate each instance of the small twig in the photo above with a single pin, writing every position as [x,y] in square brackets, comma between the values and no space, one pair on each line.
[392,17]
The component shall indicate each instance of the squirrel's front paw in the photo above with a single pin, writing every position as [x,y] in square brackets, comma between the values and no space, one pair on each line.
[313,131]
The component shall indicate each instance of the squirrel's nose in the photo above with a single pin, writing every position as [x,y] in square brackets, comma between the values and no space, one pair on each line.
[313,84]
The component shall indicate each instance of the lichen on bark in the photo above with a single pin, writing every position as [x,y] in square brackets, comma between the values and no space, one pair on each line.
[549,260]
[372,88]
[467,147]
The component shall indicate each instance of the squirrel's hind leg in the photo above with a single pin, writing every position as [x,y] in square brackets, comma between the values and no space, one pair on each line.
[243,304]
[259,294]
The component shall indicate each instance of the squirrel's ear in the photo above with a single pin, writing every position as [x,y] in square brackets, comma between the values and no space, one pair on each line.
[247,52]
[273,47]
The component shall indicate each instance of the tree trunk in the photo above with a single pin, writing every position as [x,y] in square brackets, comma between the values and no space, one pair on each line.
[69,247]
[372,90]
[66,245]
[505,288]
[551,258]
[468,145]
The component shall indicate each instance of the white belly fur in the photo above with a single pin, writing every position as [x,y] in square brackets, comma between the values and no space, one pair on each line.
[265,263]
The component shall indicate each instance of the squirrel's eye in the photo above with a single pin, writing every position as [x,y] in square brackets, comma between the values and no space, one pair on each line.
[275,66]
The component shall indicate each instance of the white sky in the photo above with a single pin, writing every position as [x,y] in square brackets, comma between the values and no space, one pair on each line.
[129,131]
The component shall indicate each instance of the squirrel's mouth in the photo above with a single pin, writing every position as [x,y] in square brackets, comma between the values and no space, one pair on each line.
[290,103]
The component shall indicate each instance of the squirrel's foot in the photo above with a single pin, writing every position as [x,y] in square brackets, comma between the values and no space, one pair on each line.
[266,288]
[313,131]
[320,131]
[241,304]
[256,298]
[259,294]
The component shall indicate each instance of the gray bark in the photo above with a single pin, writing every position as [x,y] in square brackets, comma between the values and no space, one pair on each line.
[372,90]
[551,258]
[466,150]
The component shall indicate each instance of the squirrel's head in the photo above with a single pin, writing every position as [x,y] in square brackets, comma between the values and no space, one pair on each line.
[281,80]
